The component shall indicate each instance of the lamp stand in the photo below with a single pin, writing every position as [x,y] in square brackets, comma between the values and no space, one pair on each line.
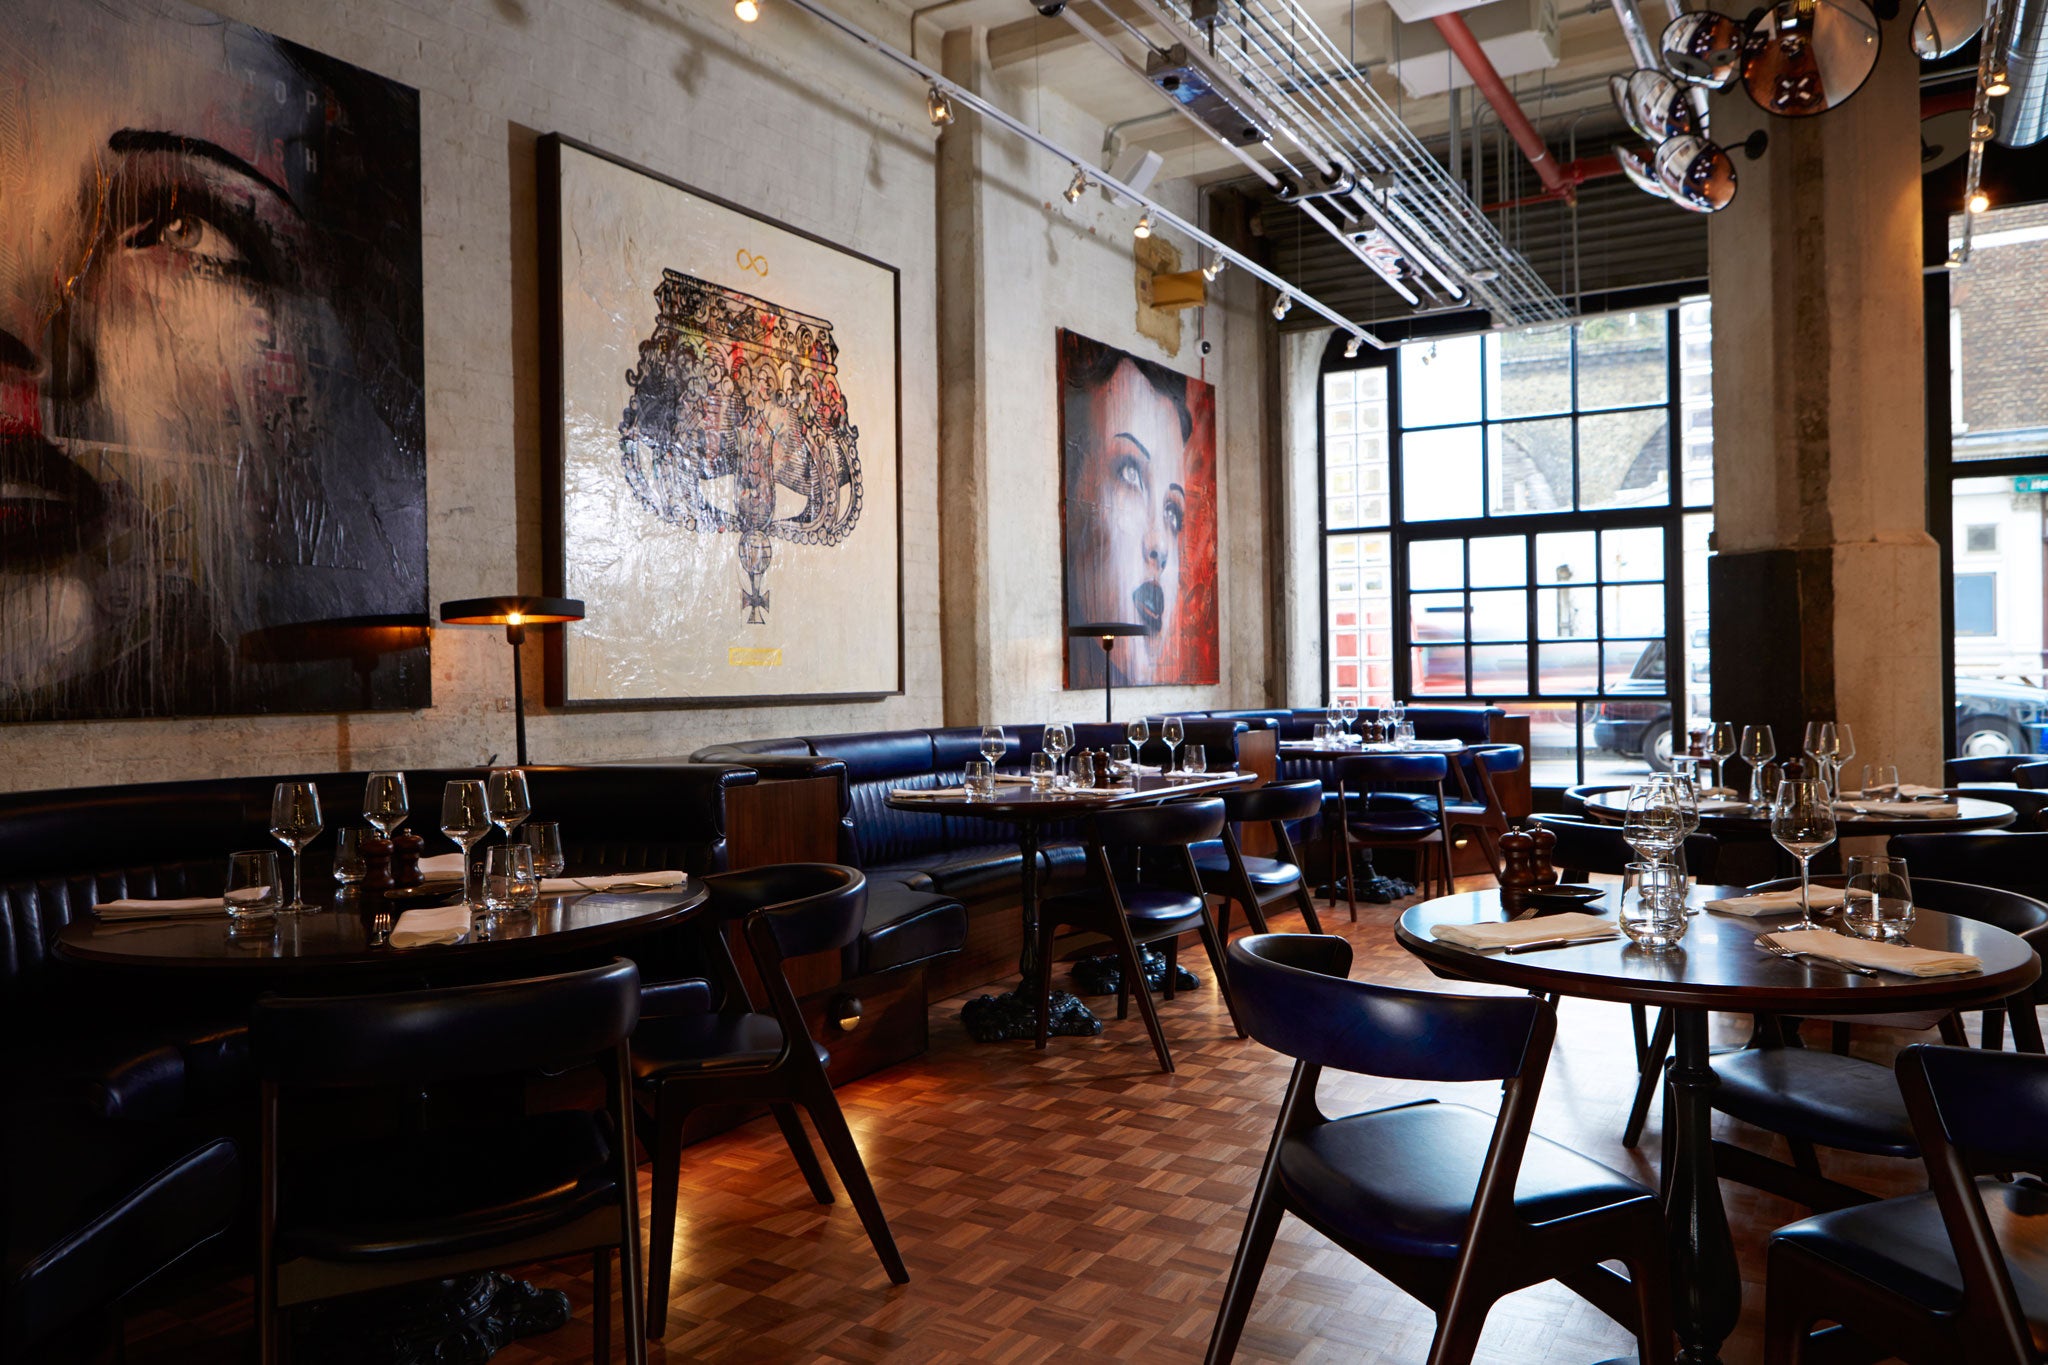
[516,636]
[1108,681]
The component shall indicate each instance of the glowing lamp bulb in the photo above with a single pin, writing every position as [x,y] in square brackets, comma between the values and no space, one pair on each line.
[1999,84]
[1144,227]
[746,10]
[515,618]
[1979,202]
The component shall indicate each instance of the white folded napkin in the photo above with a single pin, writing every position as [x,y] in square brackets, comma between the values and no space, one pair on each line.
[415,928]
[1012,780]
[1723,806]
[927,791]
[1912,789]
[1777,902]
[564,886]
[1720,794]
[1901,810]
[1572,924]
[442,867]
[190,907]
[1189,777]
[1902,958]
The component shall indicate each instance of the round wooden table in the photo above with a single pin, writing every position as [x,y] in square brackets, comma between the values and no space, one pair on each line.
[339,938]
[1972,813]
[1031,810]
[1717,967]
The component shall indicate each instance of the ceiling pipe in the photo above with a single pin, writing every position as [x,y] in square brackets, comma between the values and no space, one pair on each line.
[1458,37]
[1574,173]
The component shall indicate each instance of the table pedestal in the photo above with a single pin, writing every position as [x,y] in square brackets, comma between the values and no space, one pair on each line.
[1013,1015]
[1705,1282]
[460,1321]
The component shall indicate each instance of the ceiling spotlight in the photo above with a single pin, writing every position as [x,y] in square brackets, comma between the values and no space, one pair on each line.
[1076,187]
[1999,84]
[1281,305]
[936,106]
[1144,227]
[1979,202]
[1983,127]
[746,10]
[1351,348]
[1214,268]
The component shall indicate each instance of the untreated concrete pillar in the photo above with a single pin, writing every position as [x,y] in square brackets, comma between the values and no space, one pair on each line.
[1826,586]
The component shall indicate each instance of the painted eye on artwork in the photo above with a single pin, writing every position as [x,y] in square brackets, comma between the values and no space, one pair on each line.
[1129,474]
[1175,515]
[187,233]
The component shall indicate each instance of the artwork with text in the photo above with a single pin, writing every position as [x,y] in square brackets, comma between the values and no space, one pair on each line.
[1138,459]
[212,460]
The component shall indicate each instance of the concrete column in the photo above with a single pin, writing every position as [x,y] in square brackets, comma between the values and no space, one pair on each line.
[1826,585]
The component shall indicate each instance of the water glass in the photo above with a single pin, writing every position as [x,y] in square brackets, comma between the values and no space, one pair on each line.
[1879,897]
[351,865]
[1322,735]
[544,837]
[510,886]
[253,891]
[1653,905]
[979,779]
[1880,782]
[1404,733]
[1041,771]
[1081,770]
[1120,759]
[1193,759]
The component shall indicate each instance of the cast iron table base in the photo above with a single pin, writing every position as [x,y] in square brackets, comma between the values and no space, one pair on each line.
[1012,1017]
[1102,975]
[461,1321]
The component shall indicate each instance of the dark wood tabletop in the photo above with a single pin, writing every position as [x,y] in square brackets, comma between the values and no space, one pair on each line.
[338,937]
[1308,748]
[1612,807]
[1719,966]
[1020,802]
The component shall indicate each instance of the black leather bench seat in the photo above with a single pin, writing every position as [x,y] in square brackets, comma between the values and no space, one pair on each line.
[906,926]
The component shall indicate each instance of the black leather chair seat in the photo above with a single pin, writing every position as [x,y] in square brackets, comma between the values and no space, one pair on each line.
[1402,1180]
[905,926]
[1836,1101]
[1214,864]
[448,1191]
[1150,909]
[1407,820]
[100,1209]
[708,1042]
[1901,1247]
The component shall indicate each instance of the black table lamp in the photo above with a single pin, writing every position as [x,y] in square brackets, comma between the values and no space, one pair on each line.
[1107,632]
[515,614]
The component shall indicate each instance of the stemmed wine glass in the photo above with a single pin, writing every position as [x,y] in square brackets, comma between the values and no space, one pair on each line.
[1334,713]
[384,802]
[1759,746]
[1654,824]
[1350,709]
[1803,823]
[1399,709]
[1059,737]
[466,818]
[1829,745]
[295,822]
[1171,731]
[993,745]
[505,790]
[1721,748]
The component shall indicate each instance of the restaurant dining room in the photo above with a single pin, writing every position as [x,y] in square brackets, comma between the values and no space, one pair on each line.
[977,681]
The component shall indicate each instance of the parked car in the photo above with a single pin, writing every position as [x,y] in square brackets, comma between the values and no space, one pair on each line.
[1993,716]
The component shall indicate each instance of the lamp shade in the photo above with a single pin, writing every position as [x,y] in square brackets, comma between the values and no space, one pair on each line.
[1105,628]
[502,611]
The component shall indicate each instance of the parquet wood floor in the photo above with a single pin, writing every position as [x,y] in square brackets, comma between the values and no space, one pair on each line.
[1077,1205]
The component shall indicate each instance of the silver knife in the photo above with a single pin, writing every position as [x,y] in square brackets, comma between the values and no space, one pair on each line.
[1540,944]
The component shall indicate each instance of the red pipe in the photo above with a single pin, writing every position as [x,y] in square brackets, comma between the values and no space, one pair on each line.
[1575,173]
[1458,37]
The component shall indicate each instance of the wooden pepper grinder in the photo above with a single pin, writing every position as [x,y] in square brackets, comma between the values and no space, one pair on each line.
[1518,876]
[406,848]
[1546,855]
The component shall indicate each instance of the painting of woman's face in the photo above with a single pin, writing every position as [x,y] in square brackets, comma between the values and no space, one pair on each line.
[205,431]
[1139,504]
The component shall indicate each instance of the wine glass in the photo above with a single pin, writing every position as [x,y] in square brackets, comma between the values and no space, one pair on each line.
[1172,732]
[466,818]
[1139,732]
[1803,823]
[1334,713]
[384,802]
[1058,739]
[1654,824]
[993,745]
[1839,756]
[1350,708]
[506,790]
[1721,747]
[1759,746]
[1399,709]
[1818,743]
[295,822]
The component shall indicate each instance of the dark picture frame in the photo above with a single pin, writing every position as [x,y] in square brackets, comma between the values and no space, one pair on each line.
[775,437]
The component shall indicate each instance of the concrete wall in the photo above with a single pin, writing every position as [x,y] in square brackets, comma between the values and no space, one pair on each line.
[789,120]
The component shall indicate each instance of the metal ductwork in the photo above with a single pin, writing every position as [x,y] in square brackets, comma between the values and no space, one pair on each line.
[2023,116]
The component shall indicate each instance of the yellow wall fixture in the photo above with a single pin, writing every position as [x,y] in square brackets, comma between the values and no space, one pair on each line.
[1181,289]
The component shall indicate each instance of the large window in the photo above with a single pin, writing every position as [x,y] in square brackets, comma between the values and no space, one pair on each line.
[1523,518]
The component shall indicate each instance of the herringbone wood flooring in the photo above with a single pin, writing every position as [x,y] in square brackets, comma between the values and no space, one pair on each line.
[1078,1205]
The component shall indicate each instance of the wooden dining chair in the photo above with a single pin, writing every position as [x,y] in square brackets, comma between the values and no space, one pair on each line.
[1457,1207]
[1393,822]
[1232,875]
[1478,807]
[338,1219]
[688,1055]
[1132,911]
[1957,1274]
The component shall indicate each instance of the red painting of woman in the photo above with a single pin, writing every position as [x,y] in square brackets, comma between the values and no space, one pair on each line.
[1138,455]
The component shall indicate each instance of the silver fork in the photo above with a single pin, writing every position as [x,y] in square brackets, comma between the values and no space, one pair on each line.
[1773,947]
[380,928]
